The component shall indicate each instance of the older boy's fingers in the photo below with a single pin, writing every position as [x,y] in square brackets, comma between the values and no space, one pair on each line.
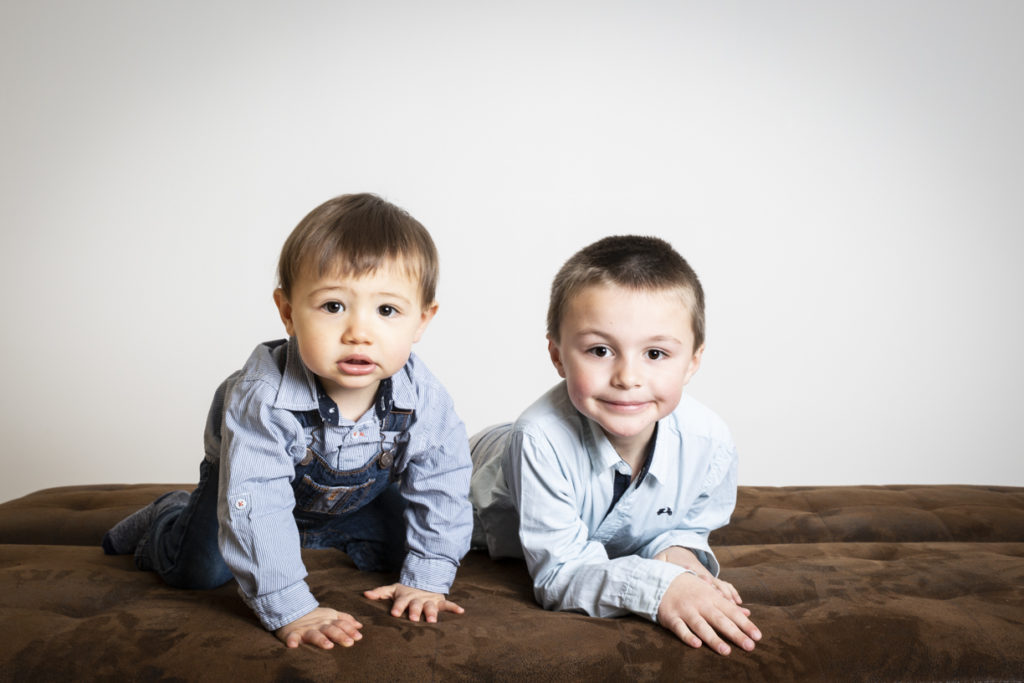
[738,629]
[729,591]
[728,628]
[703,630]
[683,633]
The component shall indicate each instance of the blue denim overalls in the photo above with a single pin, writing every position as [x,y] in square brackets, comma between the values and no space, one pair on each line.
[357,511]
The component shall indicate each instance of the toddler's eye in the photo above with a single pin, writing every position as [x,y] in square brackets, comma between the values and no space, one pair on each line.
[333,307]
[599,351]
[656,354]
[387,311]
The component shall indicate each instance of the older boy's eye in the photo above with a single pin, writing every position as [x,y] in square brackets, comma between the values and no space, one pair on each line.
[656,354]
[387,311]
[599,351]
[333,307]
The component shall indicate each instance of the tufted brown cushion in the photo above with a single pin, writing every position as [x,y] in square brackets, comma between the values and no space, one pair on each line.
[851,583]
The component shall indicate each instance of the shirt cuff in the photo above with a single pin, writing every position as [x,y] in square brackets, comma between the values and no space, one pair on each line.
[284,606]
[650,580]
[432,575]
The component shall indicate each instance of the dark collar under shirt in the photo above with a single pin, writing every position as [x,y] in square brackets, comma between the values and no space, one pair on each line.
[328,409]
[622,480]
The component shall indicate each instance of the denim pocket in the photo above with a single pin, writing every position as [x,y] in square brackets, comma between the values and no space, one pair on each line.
[311,496]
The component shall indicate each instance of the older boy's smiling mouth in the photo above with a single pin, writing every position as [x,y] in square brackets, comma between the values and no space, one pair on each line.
[356,365]
[624,406]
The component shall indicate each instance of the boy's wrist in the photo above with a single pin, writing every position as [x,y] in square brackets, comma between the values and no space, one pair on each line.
[282,607]
[433,575]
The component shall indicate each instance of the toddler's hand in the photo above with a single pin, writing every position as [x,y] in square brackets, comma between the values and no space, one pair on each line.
[685,558]
[415,600]
[322,627]
[696,612]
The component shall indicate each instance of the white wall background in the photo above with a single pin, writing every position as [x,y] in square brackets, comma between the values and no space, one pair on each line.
[846,177]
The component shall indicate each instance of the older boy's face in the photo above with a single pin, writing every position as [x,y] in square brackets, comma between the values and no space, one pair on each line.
[626,356]
[354,332]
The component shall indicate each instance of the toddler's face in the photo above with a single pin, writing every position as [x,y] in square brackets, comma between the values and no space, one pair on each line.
[354,332]
[626,356]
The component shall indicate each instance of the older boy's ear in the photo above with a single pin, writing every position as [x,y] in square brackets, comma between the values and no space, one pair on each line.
[556,357]
[425,317]
[285,310]
[694,364]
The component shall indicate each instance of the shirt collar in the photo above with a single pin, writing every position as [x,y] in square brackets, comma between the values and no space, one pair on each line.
[604,456]
[668,451]
[403,392]
[299,388]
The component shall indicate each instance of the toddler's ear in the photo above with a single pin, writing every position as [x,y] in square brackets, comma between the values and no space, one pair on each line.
[285,310]
[426,315]
[556,357]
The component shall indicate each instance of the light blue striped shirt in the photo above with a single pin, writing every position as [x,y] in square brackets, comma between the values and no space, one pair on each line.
[541,490]
[258,441]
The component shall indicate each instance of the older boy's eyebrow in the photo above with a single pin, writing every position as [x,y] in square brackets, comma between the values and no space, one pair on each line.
[665,338]
[659,338]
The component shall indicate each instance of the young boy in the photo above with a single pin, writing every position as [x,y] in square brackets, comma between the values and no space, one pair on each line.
[336,437]
[609,484]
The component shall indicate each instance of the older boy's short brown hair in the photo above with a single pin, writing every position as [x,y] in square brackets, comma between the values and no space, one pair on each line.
[354,235]
[634,262]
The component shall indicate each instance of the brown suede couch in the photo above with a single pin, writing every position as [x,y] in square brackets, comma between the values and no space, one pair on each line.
[864,583]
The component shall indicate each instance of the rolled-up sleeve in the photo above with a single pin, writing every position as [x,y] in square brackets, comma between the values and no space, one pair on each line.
[435,485]
[258,536]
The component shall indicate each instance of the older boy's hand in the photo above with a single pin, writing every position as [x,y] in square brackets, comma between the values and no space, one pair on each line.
[415,600]
[684,557]
[697,613]
[322,627]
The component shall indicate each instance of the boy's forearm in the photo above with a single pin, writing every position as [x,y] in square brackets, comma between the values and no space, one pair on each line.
[695,542]
[608,588]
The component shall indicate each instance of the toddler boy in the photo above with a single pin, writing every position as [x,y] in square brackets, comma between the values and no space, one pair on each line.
[610,483]
[336,437]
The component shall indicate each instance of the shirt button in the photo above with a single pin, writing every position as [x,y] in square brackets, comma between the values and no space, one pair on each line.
[240,503]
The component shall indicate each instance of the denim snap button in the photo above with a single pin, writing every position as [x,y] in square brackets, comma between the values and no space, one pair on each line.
[385,460]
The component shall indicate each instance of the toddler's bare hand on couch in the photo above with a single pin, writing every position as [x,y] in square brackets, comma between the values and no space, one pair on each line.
[322,627]
[414,600]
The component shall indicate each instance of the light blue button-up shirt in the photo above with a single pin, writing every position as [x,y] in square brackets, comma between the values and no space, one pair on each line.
[257,439]
[542,487]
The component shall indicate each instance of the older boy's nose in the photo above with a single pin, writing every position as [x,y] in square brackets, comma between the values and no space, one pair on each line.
[624,375]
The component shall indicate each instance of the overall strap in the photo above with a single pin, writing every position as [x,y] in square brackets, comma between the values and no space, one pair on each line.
[392,418]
